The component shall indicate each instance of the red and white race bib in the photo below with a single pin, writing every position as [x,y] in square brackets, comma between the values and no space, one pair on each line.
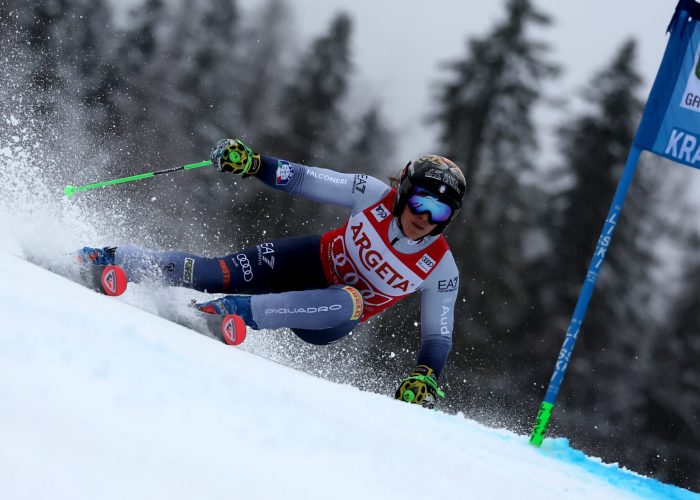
[360,254]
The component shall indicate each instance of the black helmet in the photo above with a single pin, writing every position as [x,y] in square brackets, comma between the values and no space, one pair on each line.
[437,174]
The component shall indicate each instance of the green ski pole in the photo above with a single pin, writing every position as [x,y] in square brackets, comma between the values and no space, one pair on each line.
[71,190]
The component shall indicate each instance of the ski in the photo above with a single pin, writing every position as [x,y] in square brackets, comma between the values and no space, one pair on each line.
[109,280]
[227,328]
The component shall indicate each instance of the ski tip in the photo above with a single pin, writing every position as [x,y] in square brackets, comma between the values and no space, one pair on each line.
[113,280]
[233,329]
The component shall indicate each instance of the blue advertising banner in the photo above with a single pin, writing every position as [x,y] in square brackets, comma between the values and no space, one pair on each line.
[670,125]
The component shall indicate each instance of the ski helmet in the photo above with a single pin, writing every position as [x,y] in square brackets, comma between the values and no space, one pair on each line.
[436,174]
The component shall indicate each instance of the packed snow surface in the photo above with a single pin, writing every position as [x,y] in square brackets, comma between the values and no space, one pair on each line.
[100,399]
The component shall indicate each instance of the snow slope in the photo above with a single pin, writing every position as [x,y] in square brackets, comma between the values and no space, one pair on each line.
[100,399]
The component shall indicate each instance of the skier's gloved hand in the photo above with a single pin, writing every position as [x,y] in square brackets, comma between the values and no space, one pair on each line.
[231,155]
[420,387]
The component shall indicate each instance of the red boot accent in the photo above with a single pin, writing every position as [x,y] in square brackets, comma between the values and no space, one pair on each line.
[234,329]
[209,309]
[113,280]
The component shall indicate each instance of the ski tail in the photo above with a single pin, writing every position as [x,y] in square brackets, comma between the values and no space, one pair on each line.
[110,279]
[227,328]
[233,329]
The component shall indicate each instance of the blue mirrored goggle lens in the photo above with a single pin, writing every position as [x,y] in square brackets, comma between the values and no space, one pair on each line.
[422,201]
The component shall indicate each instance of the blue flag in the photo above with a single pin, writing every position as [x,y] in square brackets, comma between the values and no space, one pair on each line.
[670,125]
[670,128]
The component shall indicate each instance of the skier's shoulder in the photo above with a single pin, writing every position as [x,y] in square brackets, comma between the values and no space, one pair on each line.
[448,259]
[368,191]
[439,247]
[446,269]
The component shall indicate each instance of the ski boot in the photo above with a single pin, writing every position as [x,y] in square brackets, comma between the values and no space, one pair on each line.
[96,256]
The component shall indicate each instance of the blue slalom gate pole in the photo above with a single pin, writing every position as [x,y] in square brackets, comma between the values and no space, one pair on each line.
[545,411]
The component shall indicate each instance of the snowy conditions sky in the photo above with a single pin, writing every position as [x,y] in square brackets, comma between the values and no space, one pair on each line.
[104,400]
[398,46]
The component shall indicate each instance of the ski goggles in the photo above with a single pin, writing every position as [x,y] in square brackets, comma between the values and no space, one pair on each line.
[421,201]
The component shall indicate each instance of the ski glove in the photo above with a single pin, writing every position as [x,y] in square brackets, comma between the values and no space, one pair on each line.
[420,387]
[231,155]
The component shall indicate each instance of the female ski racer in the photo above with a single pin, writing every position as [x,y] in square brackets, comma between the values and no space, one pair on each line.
[321,286]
